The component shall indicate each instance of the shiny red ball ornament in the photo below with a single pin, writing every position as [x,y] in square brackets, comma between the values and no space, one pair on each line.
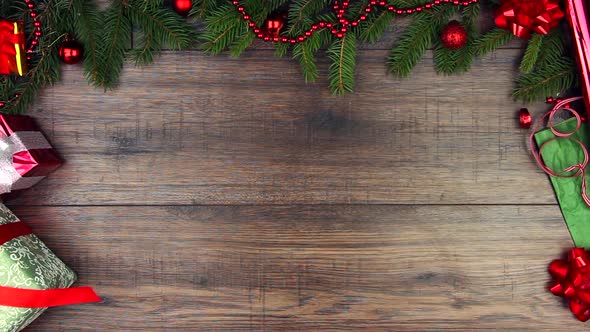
[454,36]
[182,7]
[273,25]
[71,52]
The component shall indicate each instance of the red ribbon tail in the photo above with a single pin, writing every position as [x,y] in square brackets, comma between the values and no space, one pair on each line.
[35,298]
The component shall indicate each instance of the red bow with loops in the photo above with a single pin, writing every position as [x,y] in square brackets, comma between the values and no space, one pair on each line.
[522,17]
[572,280]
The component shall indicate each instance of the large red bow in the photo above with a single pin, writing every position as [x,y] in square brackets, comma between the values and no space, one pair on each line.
[8,39]
[572,278]
[522,17]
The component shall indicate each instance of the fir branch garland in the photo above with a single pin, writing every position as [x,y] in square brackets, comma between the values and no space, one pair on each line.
[107,38]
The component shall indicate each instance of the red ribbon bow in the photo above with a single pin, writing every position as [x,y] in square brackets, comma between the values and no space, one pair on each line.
[572,278]
[7,41]
[522,17]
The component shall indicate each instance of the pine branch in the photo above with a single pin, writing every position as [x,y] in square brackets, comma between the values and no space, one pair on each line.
[341,72]
[305,53]
[531,54]
[116,39]
[492,40]
[281,49]
[417,38]
[201,7]
[301,13]
[223,27]
[165,26]
[552,49]
[458,61]
[546,81]
[373,28]
[244,40]
[87,21]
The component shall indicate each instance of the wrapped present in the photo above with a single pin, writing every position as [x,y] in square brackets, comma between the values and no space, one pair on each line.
[26,156]
[578,12]
[32,278]
[12,48]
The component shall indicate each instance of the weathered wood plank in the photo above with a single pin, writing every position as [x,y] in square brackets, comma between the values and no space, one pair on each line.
[214,130]
[277,268]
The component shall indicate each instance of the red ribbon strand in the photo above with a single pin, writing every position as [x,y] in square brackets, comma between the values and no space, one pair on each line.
[572,281]
[37,298]
[572,171]
[523,17]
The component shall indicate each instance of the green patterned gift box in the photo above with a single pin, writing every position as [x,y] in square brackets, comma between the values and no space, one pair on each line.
[25,262]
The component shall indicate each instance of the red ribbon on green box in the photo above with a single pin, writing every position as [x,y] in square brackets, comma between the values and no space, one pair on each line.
[36,298]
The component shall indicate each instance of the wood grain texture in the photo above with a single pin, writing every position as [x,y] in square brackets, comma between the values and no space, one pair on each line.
[280,268]
[221,194]
[201,130]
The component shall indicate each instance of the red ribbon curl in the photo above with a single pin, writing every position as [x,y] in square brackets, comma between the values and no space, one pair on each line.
[522,17]
[572,281]
[39,298]
[7,41]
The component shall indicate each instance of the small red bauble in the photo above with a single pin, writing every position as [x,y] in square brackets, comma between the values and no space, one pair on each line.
[454,36]
[524,118]
[182,7]
[71,52]
[275,22]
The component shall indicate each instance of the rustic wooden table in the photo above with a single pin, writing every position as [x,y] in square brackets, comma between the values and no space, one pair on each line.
[221,194]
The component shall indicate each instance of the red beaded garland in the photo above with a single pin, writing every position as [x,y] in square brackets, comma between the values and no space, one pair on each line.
[340,9]
[37,33]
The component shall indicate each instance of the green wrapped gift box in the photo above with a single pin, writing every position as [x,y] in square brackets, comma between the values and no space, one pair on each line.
[25,262]
[559,155]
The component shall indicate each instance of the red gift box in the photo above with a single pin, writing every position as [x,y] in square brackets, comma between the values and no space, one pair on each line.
[577,14]
[26,156]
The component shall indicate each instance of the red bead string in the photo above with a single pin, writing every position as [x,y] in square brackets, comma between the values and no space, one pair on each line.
[37,33]
[340,28]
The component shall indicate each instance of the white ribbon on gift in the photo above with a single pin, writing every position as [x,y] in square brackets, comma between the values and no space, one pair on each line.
[20,141]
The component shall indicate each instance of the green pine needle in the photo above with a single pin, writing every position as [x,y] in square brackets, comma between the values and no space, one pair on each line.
[281,49]
[112,48]
[531,54]
[374,28]
[224,26]
[492,40]
[552,49]
[342,70]
[547,81]
[417,38]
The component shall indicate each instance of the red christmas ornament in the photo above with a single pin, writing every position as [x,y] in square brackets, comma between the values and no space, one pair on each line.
[524,118]
[522,17]
[182,7]
[454,36]
[71,51]
[273,25]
